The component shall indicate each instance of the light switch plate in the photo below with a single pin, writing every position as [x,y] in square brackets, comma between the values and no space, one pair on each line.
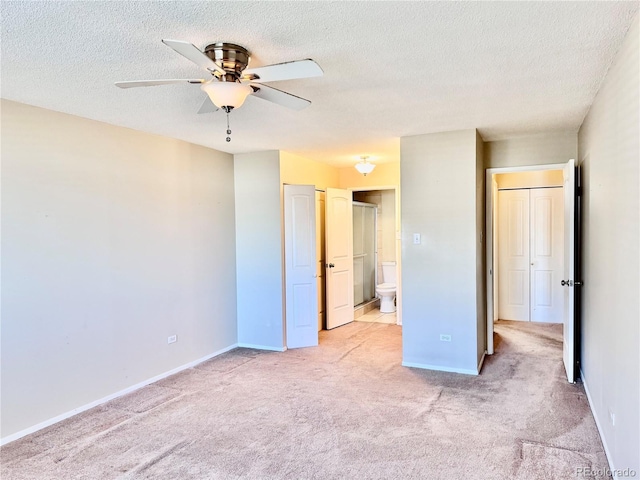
[416,239]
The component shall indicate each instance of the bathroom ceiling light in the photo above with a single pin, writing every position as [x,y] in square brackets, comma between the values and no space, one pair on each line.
[364,167]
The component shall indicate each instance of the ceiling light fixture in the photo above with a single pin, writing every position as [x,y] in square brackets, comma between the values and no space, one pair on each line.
[227,96]
[364,167]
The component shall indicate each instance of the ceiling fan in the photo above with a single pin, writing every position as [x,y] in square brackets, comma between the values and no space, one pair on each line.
[232,82]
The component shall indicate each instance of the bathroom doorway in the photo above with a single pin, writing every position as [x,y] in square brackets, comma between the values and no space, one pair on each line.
[385,243]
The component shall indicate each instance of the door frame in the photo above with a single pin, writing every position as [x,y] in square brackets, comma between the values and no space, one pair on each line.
[396,189]
[490,204]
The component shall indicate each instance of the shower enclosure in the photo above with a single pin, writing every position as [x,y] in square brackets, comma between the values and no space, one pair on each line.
[364,252]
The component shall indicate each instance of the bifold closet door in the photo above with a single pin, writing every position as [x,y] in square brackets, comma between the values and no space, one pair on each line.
[513,255]
[530,254]
[546,254]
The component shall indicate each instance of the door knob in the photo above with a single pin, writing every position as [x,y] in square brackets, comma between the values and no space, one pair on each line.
[331,265]
[563,283]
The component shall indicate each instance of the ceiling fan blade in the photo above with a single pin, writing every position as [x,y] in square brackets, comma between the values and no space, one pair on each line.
[208,106]
[285,71]
[278,96]
[193,53]
[153,83]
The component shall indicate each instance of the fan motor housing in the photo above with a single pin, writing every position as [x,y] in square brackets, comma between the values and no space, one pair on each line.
[229,56]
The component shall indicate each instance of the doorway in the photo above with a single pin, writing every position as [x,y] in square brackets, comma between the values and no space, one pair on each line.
[321,221]
[387,249]
[569,280]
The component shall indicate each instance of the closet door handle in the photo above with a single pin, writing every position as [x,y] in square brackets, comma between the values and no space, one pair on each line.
[331,265]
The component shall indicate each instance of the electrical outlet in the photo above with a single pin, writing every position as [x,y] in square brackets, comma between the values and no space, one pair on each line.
[172,339]
[445,338]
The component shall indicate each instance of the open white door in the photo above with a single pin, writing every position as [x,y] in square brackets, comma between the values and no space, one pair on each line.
[301,287]
[339,258]
[568,343]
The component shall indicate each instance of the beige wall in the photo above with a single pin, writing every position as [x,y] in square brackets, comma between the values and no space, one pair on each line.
[259,250]
[609,154]
[384,175]
[440,195]
[537,178]
[541,149]
[112,240]
[296,170]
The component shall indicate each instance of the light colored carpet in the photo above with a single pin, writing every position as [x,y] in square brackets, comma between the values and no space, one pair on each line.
[346,409]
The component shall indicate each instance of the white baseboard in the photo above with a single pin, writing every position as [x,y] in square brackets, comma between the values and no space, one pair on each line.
[262,347]
[440,368]
[481,361]
[600,430]
[144,383]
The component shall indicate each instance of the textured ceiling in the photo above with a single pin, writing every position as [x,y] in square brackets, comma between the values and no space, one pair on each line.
[392,69]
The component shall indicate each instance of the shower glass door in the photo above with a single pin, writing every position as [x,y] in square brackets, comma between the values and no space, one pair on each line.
[364,252]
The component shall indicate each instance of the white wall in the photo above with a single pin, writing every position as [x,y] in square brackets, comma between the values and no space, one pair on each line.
[439,175]
[259,254]
[112,240]
[609,154]
[541,149]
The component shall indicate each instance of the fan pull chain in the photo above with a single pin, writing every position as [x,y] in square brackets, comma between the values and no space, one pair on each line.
[228,129]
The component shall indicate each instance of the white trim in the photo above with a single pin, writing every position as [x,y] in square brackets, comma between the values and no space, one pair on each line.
[439,368]
[262,347]
[595,417]
[484,354]
[95,403]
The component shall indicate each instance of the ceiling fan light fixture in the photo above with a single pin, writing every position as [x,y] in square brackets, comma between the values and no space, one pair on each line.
[227,94]
[364,167]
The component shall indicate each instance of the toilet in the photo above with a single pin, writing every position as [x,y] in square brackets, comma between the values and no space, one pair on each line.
[387,290]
